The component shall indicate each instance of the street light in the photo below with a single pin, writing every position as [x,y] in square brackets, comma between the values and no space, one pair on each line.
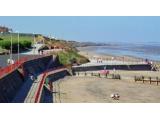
[34,44]
[18,44]
[11,47]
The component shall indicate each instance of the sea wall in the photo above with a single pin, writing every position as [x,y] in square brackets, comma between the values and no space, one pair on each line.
[9,85]
[39,65]
[47,96]
[12,83]
[58,75]
[111,67]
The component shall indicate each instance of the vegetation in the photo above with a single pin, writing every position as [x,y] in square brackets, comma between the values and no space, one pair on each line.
[25,41]
[71,57]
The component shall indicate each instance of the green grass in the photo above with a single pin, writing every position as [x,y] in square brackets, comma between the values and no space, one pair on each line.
[69,57]
[25,41]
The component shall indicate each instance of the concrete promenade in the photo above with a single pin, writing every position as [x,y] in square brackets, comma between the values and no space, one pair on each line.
[29,90]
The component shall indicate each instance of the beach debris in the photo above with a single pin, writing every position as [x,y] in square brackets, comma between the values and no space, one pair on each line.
[115,96]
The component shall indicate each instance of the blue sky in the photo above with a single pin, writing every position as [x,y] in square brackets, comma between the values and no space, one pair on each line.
[95,29]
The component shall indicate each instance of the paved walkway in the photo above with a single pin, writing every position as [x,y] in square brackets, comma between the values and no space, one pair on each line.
[27,93]
[33,90]
[33,51]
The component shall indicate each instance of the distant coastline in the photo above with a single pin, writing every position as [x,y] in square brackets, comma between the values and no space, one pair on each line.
[114,51]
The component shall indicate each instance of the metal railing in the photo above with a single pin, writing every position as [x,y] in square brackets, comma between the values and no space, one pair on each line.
[45,74]
[10,68]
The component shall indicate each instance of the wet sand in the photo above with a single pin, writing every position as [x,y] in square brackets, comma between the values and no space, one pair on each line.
[92,55]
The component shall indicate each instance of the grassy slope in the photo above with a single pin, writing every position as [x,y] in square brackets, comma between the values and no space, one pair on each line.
[69,57]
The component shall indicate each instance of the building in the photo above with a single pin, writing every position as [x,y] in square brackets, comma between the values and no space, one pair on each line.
[4,29]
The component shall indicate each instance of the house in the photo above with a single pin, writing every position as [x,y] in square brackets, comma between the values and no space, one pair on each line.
[4,29]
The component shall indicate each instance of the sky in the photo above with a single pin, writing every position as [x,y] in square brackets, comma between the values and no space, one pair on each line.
[88,28]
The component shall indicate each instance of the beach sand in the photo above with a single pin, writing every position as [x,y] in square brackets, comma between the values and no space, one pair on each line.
[74,89]
[87,89]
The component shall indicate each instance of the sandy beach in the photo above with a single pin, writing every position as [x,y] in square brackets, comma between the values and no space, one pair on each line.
[98,90]
[92,89]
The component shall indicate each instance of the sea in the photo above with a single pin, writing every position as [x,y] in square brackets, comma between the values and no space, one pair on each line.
[148,50]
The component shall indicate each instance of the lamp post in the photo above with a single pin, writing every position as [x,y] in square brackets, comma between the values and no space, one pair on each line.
[34,44]
[18,45]
[11,60]
[11,47]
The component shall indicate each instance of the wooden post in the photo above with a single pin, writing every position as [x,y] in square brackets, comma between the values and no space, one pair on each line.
[92,74]
[135,78]
[150,81]
[106,75]
[143,78]
[99,75]
[112,76]
[119,76]
[157,80]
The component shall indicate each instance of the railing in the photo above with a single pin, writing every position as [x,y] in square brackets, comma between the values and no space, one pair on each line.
[37,96]
[99,74]
[147,79]
[40,87]
[10,68]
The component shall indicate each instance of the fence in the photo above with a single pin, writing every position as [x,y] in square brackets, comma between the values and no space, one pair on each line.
[107,75]
[147,79]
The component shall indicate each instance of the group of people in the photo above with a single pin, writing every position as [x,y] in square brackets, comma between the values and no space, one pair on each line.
[115,96]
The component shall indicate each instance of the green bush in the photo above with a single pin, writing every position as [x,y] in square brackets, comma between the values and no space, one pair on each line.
[25,41]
